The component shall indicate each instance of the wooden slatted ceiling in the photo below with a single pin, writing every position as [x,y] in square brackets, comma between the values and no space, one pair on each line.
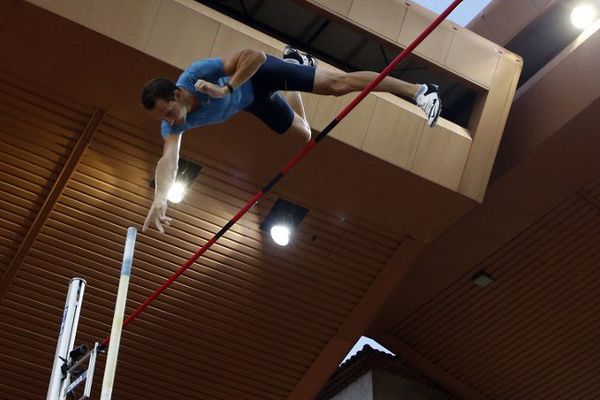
[514,330]
[36,139]
[245,322]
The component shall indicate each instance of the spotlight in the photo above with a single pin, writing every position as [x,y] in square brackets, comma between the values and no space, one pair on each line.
[187,171]
[176,192]
[283,217]
[583,15]
[281,234]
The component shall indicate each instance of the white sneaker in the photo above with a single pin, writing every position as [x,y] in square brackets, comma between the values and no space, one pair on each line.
[428,99]
[291,54]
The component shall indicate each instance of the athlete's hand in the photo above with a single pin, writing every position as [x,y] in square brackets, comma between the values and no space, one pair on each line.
[157,216]
[209,88]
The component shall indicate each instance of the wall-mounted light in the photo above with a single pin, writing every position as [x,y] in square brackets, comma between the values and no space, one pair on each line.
[283,217]
[583,15]
[483,279]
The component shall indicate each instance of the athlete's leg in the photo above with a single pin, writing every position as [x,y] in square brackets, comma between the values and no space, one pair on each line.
[278,114]
[321,81]
[300,129]
[340,83]
[294,99]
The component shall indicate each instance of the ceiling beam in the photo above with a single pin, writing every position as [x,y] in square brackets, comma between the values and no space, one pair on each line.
[358,321]
[57,188]
[256,7]
[428,368]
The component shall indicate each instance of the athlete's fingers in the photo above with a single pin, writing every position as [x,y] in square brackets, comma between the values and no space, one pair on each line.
[149,218]
[145,224]
[158,225]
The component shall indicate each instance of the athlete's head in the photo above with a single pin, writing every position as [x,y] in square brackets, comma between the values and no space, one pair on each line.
[162,99]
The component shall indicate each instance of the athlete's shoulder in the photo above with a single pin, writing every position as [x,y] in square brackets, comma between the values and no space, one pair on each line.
[205,65]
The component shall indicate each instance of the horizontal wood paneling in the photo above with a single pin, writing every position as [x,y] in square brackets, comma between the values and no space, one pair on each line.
[36,135]
[246,321]
[535,326]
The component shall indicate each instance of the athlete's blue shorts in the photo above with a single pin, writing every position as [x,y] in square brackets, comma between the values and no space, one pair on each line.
[274,75]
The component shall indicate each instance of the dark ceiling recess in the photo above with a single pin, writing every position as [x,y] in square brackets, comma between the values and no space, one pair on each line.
[284,212]
[339,43]
[544,38]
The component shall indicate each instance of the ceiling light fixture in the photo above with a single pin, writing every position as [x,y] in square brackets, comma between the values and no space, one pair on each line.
[281,234]
[483,279]
[281,220]
[187,172]
[583,15]
[176,192]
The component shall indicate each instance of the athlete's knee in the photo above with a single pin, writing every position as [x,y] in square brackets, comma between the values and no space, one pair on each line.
[305,130]
[300,129]
[340,84]
[332,83]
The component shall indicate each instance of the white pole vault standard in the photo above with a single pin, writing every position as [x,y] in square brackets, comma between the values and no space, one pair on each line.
[66,336]
[117,325]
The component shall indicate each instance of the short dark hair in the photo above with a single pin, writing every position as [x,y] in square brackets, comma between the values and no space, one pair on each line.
[159,88]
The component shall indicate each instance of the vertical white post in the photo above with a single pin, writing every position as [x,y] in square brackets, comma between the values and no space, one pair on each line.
[117,325]
[66,336]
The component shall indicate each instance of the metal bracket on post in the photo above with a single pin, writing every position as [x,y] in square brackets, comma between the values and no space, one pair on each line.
[82,375]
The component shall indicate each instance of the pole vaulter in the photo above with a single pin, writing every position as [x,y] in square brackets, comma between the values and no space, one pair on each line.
[295,160]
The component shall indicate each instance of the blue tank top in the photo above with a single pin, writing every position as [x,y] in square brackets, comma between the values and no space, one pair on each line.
[210,111]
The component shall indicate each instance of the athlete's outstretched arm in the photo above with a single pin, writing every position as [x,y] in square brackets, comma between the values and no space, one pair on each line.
[240,66]
[166,170]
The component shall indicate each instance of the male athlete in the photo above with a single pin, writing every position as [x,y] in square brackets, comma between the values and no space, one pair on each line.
[211,90]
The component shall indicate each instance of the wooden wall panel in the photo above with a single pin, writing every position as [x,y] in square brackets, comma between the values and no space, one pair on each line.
[441,155]
[385,17]
[338,6]
[492,117]
[353,129]
[394,136]
[114,18]
[75,10]
[436,47]
[180,37]
[474,57]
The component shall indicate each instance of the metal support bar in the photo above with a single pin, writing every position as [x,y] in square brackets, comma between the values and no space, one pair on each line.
[87,391]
